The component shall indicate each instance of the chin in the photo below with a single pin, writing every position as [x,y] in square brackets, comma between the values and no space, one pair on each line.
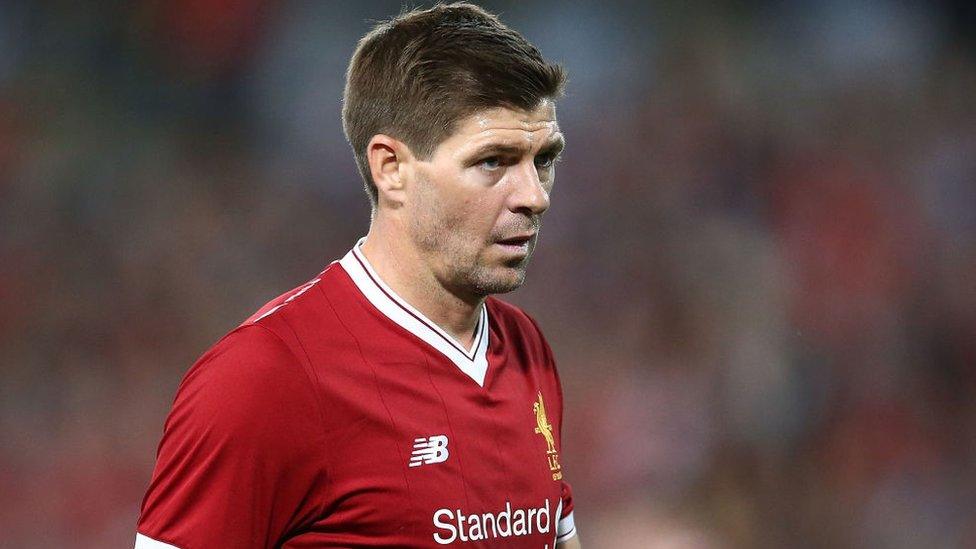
[506,280]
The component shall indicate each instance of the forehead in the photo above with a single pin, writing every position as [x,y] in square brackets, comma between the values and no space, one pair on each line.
[502,125]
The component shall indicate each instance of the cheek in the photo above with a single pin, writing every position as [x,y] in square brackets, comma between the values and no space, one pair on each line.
[478,215]
[459,208]
[439,215]
[463,210]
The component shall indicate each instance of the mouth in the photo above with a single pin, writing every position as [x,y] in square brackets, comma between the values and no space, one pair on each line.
[516,244]
[516,240]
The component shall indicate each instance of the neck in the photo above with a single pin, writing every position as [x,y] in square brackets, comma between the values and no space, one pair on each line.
[403,269]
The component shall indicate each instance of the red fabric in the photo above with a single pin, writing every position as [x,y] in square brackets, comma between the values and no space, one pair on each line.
[296,430]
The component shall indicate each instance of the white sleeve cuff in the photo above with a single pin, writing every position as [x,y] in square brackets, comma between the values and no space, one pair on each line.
[566,528]
[146,542]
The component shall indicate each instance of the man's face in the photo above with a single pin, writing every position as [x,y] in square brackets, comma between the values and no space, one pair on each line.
[476,205]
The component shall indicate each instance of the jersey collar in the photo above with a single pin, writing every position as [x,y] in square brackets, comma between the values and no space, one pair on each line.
[473,362]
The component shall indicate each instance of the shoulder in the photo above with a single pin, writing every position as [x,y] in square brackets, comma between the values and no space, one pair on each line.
[307,313]
[314,302]
[247,381]
[265,361]
[249,353]
[241,447]
[298,299]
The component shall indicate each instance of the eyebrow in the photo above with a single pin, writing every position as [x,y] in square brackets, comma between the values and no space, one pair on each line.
[554,147]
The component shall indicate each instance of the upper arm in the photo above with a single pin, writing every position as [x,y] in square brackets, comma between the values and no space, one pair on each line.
[240,449]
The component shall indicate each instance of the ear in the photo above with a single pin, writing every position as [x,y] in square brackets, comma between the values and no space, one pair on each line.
[387,156]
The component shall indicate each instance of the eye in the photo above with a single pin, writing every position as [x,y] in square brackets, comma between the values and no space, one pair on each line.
[545,161]
[491,164]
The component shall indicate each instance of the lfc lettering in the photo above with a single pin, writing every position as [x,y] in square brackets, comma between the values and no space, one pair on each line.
[544,428]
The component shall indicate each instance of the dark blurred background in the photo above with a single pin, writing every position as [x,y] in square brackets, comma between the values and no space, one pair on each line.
[758,273]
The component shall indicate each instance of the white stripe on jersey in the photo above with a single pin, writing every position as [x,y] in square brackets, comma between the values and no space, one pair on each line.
[566,528]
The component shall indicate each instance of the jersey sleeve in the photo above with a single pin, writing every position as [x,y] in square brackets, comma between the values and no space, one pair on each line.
[566,527]
[240,453]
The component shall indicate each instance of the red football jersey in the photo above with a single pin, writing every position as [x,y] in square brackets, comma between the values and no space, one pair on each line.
[340,416]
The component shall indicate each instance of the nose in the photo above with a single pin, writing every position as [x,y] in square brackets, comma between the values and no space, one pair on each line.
[529,196]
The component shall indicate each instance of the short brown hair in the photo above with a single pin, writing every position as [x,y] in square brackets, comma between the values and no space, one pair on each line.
[415,76]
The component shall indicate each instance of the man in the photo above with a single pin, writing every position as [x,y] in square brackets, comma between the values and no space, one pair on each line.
[390,402]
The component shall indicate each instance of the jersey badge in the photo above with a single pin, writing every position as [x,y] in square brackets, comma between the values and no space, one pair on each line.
[429,450]
[544,428]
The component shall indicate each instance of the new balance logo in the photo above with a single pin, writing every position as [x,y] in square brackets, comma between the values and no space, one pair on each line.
[429,450]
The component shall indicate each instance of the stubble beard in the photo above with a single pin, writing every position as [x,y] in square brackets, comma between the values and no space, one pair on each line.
[455,258]
[484,283]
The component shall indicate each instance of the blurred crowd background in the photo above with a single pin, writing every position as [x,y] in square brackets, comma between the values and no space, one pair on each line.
[758,273]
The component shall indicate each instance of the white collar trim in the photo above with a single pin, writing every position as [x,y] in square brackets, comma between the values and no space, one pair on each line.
[473,362]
